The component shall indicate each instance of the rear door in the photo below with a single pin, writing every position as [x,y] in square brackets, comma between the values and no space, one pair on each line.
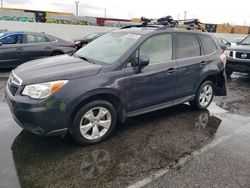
[190,62]
[214,63]
[36,46]
[11,51]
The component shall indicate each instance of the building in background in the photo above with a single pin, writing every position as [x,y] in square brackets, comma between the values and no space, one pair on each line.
[22,15]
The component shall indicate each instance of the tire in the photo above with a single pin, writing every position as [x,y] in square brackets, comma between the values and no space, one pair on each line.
[200,103]
[91,131]
[229,73]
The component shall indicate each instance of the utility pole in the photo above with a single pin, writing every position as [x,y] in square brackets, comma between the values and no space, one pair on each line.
[77,3]
[1,3]
[185,15]
[105,13]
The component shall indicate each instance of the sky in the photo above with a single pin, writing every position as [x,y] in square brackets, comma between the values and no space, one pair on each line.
[210,11]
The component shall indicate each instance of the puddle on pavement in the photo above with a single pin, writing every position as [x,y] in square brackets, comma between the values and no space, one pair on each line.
[138,147]
[238,99]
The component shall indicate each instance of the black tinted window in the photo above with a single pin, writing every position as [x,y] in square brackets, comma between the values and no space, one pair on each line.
[208,44]
[187,45]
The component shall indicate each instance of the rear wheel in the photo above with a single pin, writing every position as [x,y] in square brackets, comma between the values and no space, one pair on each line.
[94,122]
[204,96]
[229,73]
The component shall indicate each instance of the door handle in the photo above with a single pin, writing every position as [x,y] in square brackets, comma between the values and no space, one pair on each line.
[48,48]
[171,70]
[203,63]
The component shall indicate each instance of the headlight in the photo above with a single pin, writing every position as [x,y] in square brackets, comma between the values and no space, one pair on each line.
[43,90]
[227,52]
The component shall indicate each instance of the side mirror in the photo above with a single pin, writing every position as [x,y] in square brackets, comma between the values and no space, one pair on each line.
[228,44]
[223,47]
[143,62]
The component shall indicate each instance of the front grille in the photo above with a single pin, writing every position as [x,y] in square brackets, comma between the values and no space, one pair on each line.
[242,55]
[231,54]
[13,89]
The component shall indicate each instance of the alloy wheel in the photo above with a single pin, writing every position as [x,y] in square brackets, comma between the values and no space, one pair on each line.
[206,95]
[95,123]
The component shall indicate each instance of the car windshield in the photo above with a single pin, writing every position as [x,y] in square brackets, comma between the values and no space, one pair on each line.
[108,48]
[246,41]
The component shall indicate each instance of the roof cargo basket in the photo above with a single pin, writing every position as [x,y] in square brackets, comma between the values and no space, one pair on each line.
[169,22]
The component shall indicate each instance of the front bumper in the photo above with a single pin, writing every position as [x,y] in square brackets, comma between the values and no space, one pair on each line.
[42,117]
[238,65]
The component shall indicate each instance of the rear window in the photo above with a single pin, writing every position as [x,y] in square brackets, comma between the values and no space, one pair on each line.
[208,44]
[187,45]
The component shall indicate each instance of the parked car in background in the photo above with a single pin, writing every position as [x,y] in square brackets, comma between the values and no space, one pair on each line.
[121,74]
[236,41]
[80,42]
[238,57]
[19,47]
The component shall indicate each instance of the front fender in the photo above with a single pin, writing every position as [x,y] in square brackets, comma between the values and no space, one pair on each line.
[100,91]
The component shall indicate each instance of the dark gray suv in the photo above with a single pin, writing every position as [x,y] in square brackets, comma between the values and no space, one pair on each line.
[121,74]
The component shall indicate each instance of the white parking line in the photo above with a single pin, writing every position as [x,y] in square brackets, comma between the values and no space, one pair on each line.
[183,160]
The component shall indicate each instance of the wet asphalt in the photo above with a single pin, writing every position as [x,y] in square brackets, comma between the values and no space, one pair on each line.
[174,147]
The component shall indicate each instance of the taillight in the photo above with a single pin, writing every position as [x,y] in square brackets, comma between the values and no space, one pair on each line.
[223,59]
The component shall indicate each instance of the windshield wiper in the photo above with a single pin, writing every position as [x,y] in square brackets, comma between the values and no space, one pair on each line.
[85,58]
[245,44]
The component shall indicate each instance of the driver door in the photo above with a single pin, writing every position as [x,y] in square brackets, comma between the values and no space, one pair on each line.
[153,87]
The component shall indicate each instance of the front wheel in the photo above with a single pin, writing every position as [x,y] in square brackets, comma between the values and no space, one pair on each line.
[94,122]
[204,96]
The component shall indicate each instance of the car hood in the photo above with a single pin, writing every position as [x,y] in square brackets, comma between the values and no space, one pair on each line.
[62,67]
[244,48]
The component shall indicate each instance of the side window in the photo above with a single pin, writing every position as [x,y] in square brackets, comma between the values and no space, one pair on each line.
[187,45]
[36,38]
[12,39]
[158,48]
[208,44]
